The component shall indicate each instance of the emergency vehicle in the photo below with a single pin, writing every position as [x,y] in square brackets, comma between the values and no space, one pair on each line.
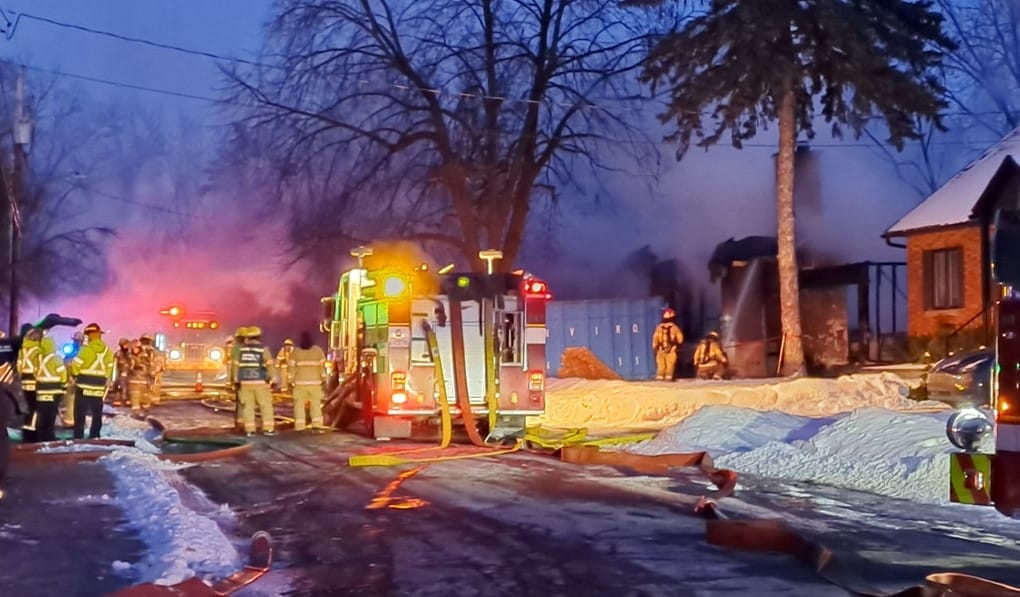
[994,478]
[489,334]
[194,347]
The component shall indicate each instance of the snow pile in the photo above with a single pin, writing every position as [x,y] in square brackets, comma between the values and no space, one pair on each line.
[182,543]
[897,454]
[578,361]
[605,405]
[129,428]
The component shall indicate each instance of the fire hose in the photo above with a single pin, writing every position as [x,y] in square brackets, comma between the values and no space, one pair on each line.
[777,536]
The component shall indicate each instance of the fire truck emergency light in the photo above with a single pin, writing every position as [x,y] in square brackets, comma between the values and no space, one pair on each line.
[172,311]
[394,286]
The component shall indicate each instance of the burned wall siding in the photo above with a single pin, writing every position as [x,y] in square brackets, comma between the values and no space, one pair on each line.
[825,324]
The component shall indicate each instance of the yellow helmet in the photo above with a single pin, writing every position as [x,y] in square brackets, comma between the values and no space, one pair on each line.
[253,332]
[288,342]
[241,332]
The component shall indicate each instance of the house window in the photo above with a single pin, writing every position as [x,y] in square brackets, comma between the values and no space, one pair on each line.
[943,279]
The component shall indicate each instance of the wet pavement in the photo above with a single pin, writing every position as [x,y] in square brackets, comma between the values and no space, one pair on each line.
[520,524]
[61,532]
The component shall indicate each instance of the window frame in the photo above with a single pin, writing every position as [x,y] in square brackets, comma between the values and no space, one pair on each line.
[939,281]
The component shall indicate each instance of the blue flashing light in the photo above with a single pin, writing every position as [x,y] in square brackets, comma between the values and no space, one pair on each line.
[68,349]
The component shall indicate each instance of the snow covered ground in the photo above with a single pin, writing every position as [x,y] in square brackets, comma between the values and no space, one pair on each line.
[602,405]
[183,530]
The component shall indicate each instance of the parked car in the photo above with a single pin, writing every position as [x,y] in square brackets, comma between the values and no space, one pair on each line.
[964,378]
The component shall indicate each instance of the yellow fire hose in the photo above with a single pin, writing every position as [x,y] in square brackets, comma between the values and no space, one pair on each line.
[533,435]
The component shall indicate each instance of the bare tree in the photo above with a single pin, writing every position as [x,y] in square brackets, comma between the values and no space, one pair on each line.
[438,120]
[61,247]
[982,81]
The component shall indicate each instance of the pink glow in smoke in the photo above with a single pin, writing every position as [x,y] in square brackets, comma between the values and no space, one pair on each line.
[239,275]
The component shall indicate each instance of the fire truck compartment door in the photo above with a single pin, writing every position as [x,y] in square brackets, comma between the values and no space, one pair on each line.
[474,354]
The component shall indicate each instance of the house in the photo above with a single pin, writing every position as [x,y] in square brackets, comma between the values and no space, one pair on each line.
[950,290]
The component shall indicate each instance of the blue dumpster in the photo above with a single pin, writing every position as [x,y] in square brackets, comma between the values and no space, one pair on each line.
[617,331]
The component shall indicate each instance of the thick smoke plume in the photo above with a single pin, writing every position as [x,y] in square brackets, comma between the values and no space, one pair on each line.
[229,264]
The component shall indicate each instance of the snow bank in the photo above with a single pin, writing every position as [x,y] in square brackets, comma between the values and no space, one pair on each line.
[182,543]
[604,405]
[890,453]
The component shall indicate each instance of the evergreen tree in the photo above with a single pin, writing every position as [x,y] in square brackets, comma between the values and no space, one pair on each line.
[741,64]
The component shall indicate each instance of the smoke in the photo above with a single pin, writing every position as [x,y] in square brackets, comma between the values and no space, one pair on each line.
[231,264]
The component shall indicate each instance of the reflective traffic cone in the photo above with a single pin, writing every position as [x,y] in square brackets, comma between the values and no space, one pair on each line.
[198,383]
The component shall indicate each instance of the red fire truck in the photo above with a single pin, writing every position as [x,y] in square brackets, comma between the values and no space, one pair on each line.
[489,332]
[193,347]
[994,478]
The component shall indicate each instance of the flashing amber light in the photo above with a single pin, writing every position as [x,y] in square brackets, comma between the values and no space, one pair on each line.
[394,286]
[177,324]
[214,325]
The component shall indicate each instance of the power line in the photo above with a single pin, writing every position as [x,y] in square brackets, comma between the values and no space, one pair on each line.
[11,28]
[185,95]
[133,86]
[95,191]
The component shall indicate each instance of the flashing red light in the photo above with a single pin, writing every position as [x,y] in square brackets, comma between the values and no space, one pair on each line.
[537,288]
[172,311]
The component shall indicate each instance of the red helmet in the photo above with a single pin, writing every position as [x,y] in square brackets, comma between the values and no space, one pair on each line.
[668,313]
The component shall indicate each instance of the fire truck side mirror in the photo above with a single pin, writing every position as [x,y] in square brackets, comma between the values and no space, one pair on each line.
[1006,247]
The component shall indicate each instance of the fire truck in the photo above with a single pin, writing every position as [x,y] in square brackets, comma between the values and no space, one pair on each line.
[402,339]
[194,348]
[993,478]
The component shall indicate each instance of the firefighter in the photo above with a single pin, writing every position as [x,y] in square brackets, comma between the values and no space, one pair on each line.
[710,359]
[254,373]
[138,379]
[154,365]
[283,360]
[51,378]
[233,346]
[666,341]
[78,340]
[28,364]
[306,367]
[91,370]
[122,360]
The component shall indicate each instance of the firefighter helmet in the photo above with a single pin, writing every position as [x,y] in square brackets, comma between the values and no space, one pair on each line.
[288,342]
[145,337]
[253,332]
[241,332]
[229,340]
[123,341]
[668,313]
[713,334]
[92,328]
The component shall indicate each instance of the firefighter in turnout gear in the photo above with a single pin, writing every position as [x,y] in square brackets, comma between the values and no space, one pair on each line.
[153,368]
[710,359]
[138,379]
[254,372]
[51,377]
[282,362]
[307,369]
[233,346]
[122,360]
[28,365]
[71,393]
[666,341]
[91,370]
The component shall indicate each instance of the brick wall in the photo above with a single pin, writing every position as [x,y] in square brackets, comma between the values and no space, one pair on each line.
[928,323]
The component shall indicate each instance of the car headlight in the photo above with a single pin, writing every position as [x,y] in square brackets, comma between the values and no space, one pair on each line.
[216,354]
[175,355]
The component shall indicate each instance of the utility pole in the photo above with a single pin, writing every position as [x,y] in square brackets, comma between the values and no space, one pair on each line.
[16,192]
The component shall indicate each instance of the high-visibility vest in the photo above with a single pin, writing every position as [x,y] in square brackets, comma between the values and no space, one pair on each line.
[252,364]
[51,377]
[28,362]
[306,366]
[92,368]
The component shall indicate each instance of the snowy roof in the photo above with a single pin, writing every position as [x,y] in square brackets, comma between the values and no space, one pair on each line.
[954,201]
